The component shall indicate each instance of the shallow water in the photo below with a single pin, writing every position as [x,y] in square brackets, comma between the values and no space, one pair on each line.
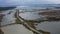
[29,15]
[12,29]
[16,29]
[8,18]
[52,27]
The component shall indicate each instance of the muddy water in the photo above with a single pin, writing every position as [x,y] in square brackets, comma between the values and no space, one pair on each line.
[53,27]
[12,29]
[30,15]
[16,29]
[8,18]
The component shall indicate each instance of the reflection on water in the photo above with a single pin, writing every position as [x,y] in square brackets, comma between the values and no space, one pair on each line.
[53,27]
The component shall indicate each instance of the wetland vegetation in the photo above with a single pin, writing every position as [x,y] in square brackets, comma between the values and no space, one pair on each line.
[11,17]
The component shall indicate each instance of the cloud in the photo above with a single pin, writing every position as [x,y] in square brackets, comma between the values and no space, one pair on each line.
[54,1]
[36,1]
[17,2]
[25,1]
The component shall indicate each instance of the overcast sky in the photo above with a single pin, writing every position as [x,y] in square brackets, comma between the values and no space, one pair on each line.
[17,2]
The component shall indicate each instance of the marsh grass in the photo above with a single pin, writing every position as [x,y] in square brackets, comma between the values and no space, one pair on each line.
[1,32]
[1,16]
[44,32]
[53,19]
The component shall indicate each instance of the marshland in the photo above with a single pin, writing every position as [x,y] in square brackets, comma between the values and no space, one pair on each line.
[45,19]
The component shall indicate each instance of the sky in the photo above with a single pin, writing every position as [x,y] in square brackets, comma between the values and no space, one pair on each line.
[19,2]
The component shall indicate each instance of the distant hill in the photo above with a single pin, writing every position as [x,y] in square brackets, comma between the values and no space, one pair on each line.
[6,8]
[42,5]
